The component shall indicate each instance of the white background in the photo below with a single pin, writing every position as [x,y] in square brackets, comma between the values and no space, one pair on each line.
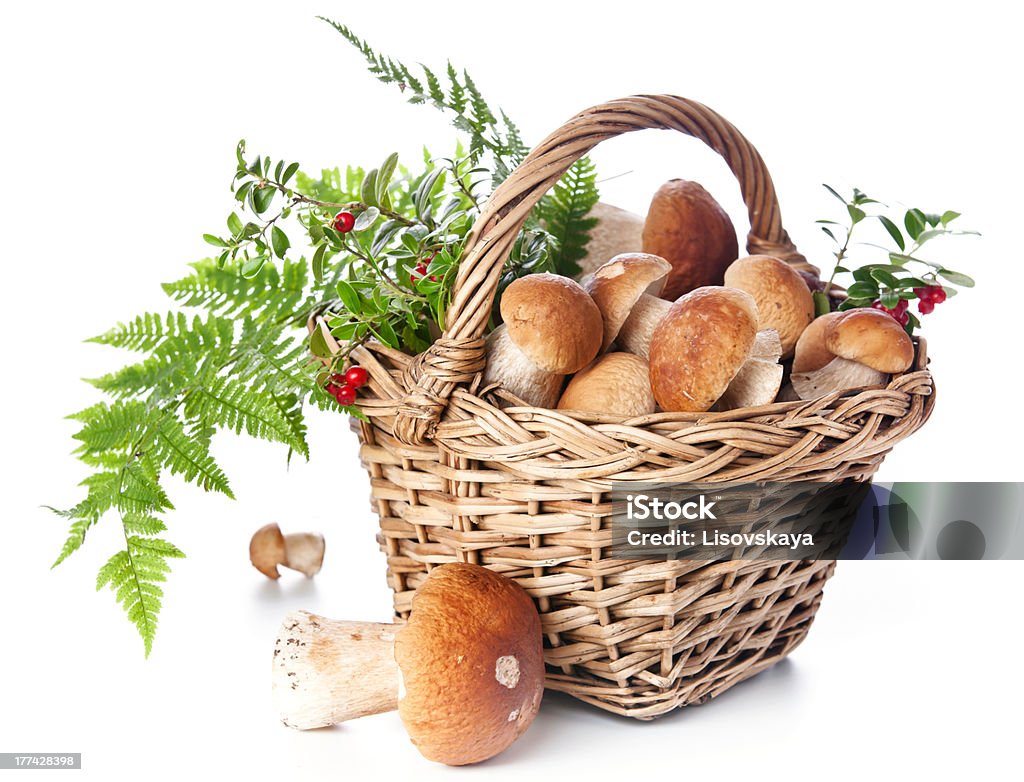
[118,136]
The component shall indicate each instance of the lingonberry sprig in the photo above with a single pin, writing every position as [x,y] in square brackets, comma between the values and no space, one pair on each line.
[892,286]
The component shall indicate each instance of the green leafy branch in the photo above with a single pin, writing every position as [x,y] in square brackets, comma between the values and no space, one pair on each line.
[906,273]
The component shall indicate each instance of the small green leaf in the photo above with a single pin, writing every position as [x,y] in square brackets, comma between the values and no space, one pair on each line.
[956,278]
[948,217]
[368,190]
[318,264]
[234,224]
[828,231]
[833,192]
[933,220]
[261,198]
[251,267]
[863,290]
[890,299]
[885,278]
[318,344]
[383,180]
[366,218]
[841,269]
[279,241]
[214,240]
[894,231]
[856,214]
[349,297]
[289,173]
[914,221]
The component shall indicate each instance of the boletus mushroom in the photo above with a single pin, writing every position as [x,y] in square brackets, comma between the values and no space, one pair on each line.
[784,301]
[699,347]
[551,328]
[690,230]
[616,231]
[617,383]
[865,347]
[617,286]
[466,672]
[301,551]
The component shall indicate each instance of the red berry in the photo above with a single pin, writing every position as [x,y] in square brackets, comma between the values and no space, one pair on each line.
[877,304]
[938,294]
[903,318]
[433,278]
[345,394]
[343,222]
[337,379]
[924,294]
[925,307]
[356,377]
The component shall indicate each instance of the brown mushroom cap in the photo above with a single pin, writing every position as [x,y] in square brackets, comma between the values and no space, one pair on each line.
[616,286]
[690,230]
[267,550]
[699,346]
[784,301]
[553,321]
[872,338]
[811,353]
[472,662]
[617,383]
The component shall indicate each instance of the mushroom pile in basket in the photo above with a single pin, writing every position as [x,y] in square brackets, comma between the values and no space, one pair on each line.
[675,322]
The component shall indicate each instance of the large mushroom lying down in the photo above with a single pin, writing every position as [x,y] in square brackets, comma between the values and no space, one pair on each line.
[466,672]
[551,328]
[859,347]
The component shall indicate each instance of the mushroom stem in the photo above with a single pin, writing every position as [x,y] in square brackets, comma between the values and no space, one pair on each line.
[635,334]
[304,552]
[327,671]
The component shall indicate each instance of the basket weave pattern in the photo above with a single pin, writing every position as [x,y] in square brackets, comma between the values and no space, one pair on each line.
[526,491]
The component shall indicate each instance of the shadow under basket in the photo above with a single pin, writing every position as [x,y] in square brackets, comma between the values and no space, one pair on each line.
[526,491]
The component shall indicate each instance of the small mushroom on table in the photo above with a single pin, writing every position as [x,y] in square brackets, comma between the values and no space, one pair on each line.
[466,672]
[301,551]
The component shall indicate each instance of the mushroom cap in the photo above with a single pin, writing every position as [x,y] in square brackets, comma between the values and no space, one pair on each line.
[617,383]
[811,353]
[553,321]
[266,550]
[616,231]
[617,285]
[690,230]
[784,301]
[509,367]
[872,338]
[472,662]
[699,346]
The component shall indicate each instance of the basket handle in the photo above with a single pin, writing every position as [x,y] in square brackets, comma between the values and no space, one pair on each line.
[458,356]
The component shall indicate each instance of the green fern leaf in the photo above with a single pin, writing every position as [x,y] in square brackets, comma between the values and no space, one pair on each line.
[134,574]
[110,427]
[181,454]
[564,211]
[76,537]
[141,491]
[228,404]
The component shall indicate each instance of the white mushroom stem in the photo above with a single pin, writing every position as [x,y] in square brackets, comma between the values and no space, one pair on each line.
[509,367]
[635,334]
[327,671]
[304,552]
[758,381]
[837,375]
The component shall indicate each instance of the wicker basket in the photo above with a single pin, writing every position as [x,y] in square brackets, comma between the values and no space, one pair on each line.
[525,491]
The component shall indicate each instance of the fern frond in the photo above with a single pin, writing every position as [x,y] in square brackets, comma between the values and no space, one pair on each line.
[190,457]
[142,334]
[110,427]
[564,211]
[225,292]
[156,372]
[228,404]
[134,575]
[140,490]
[75,539]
